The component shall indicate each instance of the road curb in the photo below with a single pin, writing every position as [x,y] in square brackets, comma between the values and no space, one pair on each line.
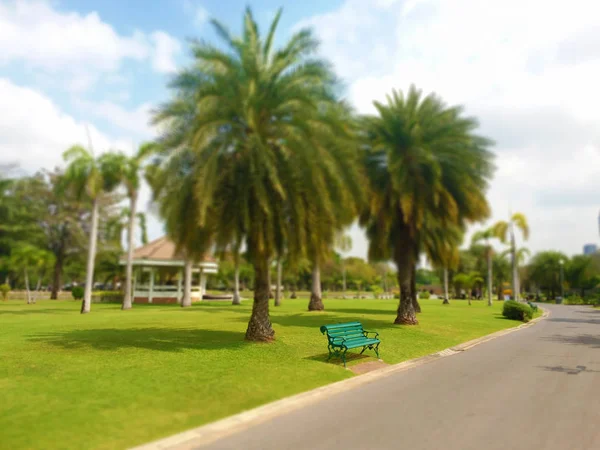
[206,434]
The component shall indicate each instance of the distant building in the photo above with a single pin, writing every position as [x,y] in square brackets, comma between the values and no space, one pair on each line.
[589,249]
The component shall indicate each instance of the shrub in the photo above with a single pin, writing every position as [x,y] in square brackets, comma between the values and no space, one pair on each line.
[424,295]
[77,292]
[517,311]
[573,300]
[4,290]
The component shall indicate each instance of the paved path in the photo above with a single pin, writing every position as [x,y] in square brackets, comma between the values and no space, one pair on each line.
[535,388]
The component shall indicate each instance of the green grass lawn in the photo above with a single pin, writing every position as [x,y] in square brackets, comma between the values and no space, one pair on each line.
[114,379]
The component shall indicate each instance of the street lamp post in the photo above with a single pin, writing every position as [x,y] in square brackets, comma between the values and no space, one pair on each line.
[562,284]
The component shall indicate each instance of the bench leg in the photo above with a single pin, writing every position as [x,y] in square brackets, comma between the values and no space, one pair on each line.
[330,352]
[377,351]
[364,348]
[344,357]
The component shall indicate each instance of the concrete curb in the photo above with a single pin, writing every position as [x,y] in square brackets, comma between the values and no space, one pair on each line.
[206,434]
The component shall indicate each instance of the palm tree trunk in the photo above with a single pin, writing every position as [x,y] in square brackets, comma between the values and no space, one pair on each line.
[27,286]
[37,288]
[259,326]
[86,304]
[404,264]
[446,294]
[316,300]
[127,299]
[343,279]
[489,283]
[187,284]
[413,287]
[278,293]
[56,278]
[236,284]
[515,274]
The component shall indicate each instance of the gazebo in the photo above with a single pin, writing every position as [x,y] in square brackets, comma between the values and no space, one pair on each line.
[158,273]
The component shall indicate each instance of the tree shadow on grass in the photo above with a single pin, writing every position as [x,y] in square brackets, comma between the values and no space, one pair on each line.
[337,361]
[34,310]
[364,311]
[316,320]
[160,339]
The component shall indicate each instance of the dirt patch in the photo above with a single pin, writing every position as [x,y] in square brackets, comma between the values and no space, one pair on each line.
[370,366]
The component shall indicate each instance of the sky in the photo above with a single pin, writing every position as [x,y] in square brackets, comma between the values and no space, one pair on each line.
[527,69]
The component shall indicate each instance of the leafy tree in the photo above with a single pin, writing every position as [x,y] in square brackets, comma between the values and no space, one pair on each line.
[25,258]
[505,230]
[263,127]
[581,274]
[544,270]
[428,172]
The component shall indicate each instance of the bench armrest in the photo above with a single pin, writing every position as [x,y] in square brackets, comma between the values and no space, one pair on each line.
[371,332]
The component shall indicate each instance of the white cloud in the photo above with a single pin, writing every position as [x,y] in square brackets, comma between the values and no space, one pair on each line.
[199,13]
[134,121]
[166,48]
[528,69]
[38,36]
[34,132]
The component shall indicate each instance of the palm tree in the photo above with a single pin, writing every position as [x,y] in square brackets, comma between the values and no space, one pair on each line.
[486,235]
[88,178]
[468,282]
[22,258]
[428,172]
[266,132]
[278,293]
[506,230]
[128,170]
[173,184]
[343,242]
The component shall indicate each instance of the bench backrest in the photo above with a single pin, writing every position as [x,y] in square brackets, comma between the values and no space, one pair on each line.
[347,330]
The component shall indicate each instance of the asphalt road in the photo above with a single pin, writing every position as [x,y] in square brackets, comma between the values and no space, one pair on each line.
[536,388]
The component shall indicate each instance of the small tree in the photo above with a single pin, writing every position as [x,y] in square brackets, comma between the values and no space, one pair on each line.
[4,290]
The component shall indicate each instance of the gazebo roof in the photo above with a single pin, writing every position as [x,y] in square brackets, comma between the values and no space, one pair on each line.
[162,249]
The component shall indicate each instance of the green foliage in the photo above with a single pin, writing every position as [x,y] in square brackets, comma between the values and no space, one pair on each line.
[424,295]
[573,300]
[269,154]
[77,292]
[424,190]
[4,290]
[517,311]
[544,270]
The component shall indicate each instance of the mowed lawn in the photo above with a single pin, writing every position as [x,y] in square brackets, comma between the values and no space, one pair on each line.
[113,379]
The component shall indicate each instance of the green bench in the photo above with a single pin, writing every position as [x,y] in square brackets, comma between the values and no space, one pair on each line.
[533,306]
[342,337]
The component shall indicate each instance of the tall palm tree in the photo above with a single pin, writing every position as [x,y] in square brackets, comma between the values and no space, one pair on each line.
[505,230]
[88,177]
[343,242]
[266,131]
[486,235]
[428,172]
[128,169]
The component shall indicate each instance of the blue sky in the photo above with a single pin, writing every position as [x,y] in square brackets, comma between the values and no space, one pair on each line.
[528,69]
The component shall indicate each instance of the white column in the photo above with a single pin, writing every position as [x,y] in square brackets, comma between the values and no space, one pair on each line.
[135,275]
[179,277]
[151,289]
[202,284]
